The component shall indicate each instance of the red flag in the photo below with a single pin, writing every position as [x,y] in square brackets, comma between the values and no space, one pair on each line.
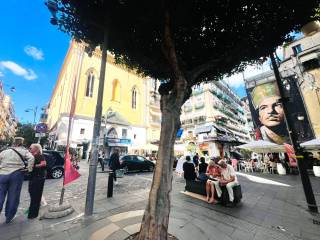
[70,174]
[291,155]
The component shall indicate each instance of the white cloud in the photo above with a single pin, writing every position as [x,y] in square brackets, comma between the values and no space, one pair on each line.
[16,69]
[34,52]
[237,81]
[1,74]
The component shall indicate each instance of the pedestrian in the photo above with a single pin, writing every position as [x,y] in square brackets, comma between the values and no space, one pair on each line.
[100,159]
[196,160]
[14,162]
[37,179]
[114,164]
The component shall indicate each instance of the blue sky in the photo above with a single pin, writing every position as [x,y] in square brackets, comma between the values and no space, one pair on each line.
[31,55]
[25,28]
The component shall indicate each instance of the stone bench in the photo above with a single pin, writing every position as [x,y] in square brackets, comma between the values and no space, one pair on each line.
[199,187]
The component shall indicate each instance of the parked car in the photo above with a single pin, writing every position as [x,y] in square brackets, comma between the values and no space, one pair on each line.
[136,163]
[55,163]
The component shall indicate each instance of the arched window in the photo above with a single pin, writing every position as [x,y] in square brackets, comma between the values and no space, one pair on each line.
[90,84]
[134,98]
[115,91]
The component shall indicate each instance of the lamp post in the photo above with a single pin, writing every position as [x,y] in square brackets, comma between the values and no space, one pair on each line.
[307,187]
[34,111]
[54,8]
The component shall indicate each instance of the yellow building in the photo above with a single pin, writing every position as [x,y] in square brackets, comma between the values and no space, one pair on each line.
[7,116]
[125,101]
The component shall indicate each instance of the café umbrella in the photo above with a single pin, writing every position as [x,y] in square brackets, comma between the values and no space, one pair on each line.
[313,144]
[261,146]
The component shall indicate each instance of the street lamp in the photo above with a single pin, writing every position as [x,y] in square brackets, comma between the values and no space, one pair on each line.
[34,110]
[54,8]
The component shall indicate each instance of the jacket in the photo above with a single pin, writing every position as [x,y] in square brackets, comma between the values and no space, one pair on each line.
[10,161]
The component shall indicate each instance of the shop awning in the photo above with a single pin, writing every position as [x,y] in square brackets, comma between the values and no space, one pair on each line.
[203,129]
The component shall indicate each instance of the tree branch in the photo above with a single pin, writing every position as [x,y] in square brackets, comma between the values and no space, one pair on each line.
[199,70]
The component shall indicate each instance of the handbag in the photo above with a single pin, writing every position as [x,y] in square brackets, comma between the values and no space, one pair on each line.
[120,173]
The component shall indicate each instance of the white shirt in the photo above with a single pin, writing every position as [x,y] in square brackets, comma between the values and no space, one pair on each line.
[227,172]
[10,161]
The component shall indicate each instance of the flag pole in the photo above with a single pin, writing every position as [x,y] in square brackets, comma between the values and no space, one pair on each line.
[71,115]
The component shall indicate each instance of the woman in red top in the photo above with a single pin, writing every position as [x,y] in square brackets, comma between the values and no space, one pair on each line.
[213,171]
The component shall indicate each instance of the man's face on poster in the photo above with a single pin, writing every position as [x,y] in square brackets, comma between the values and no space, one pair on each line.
[271,112]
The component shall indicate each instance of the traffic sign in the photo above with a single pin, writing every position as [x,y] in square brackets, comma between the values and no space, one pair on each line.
[41,128]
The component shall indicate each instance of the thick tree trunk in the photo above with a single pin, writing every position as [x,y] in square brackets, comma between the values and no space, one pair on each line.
[156,217]
[155,221]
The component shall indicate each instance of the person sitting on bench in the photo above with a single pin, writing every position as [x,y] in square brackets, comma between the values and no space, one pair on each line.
[189,172]
[228,179]
[213,172]
[203,165]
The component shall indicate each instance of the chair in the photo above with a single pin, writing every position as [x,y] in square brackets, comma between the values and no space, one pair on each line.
[273,166]
[264,167]
[248,167]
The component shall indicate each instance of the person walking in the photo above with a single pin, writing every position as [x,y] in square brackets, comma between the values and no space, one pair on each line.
[14,161]
[37,178]
[100,159]
[114,164]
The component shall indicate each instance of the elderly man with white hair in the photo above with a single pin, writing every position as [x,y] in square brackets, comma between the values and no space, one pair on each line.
[13,162]
[37,179]
[228,179]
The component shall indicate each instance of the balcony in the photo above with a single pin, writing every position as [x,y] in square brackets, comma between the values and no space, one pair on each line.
[199,105]
[187,108]
[155,121]
[154,103]
[197,91]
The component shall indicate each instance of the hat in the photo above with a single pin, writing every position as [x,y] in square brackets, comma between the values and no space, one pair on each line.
[263,91]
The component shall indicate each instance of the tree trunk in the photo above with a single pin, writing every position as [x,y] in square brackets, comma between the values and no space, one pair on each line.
[155,221]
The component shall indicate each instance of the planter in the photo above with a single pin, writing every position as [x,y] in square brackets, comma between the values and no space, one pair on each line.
[316,171]
[280,169]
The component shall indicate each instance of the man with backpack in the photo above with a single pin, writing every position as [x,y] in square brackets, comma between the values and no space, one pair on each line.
[14,161]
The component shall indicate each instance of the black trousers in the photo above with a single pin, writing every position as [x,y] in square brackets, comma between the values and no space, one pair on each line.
[100,160]
[114,174]
[35,191]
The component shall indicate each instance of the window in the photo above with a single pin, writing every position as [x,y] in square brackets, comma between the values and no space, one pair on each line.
[134,99]
[115,91]
[311,64]
[90,84]
[124,133]
[82,131]
[297,49]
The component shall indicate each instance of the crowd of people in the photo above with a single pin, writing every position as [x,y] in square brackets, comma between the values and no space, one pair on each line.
[216,173]
[15,163]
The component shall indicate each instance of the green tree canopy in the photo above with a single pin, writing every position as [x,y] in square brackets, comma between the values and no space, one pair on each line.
[211,37]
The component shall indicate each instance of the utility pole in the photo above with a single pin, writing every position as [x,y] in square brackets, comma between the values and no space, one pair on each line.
[307,187]
[96,131]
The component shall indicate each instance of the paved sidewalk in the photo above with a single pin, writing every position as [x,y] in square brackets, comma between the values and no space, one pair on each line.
[273,207]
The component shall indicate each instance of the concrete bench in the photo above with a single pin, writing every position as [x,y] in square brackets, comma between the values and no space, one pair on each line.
[200,188]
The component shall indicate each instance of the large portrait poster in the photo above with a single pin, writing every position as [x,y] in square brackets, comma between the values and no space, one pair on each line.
[267,113]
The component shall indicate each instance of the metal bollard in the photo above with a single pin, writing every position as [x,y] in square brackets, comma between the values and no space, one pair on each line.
[110,185]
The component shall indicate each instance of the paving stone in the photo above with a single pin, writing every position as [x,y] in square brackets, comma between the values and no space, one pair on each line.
[241,235]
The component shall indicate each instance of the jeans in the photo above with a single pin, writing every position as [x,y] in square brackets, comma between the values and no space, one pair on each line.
[35,190]
[10,187]
[100,160]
